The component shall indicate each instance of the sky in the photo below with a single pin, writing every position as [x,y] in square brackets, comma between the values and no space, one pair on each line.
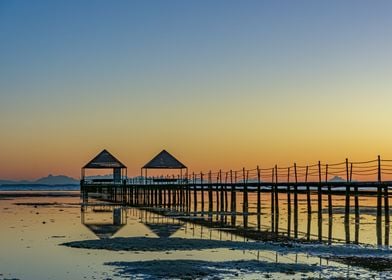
[219,84]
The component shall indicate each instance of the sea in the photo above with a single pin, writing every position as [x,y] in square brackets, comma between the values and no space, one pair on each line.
[39,187]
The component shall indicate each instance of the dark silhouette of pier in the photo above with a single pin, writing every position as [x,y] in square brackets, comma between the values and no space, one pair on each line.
[220,198]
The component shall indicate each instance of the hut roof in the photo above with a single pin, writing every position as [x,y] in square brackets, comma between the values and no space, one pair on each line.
[164,160]
[104,160]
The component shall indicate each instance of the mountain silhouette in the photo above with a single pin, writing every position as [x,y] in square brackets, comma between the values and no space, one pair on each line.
[48,180]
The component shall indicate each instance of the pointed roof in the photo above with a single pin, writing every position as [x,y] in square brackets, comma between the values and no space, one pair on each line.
[164,160]
[104,160]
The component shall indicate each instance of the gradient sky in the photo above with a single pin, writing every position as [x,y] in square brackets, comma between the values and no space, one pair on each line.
[220,84]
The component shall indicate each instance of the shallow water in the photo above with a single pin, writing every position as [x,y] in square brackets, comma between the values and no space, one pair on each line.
[332,230]
[33,229]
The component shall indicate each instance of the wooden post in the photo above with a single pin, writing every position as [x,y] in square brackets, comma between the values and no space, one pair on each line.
[295,202]
[309,225]
[222,194]
[387,217]
[225,200]
[169,196]
[222,198]
[276,201]
[386,205]
[233,198]
[379,204]
[210,193]
[194,194]
[347,206]
[232,190]
[330,218]
[319,205]
[226,196]
[258,199]
[309,204]
[188,188]
[356,206]
[202,193]
[329,192]
[245,197]
[217,194]
[164,187]
[156,195]
[273,201]
[288,203]
[175,194]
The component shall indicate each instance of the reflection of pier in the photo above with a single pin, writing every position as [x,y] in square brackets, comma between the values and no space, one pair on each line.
[232,197]
[180,232]
[162,226]
[91,217]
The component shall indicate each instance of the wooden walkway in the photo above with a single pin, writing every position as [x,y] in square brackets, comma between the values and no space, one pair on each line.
[227,193]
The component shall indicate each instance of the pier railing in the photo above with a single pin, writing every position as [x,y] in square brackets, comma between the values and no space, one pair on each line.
[376,170]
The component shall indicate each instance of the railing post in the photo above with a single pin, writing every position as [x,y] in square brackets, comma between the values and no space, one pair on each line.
[356,206]
[379,203]
[210,203]
[295,202]
[319,205]
[288,203]
[258,199]
[308,200]
[245,197]
[347,205]
[386,206]
[276,201]
[273,201]
[233,197]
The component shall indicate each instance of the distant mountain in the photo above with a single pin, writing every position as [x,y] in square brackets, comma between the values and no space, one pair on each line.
[49,180]
[4,182]
[337,179]
[56,180]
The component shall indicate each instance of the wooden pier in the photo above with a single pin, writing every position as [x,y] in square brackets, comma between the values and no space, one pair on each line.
[223,196]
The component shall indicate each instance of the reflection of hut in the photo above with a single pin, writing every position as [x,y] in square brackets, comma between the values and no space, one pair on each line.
[105,230]
[105,160]
[164,160]
[162,226]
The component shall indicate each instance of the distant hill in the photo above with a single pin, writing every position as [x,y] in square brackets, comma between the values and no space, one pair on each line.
[56,180]
[5,182]
[49,180]
[337,179]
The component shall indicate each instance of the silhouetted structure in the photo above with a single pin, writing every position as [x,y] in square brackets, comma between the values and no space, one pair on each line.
[105,160]
[164,160]
[104,230]
[232,187]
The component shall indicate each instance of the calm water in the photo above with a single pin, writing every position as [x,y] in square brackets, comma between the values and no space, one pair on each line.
[333,229]
[24,188]
[32,229]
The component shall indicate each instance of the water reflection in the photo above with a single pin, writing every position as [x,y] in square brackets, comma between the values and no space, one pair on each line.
[185,233]
[161,226]
[103,220]
[272,216]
